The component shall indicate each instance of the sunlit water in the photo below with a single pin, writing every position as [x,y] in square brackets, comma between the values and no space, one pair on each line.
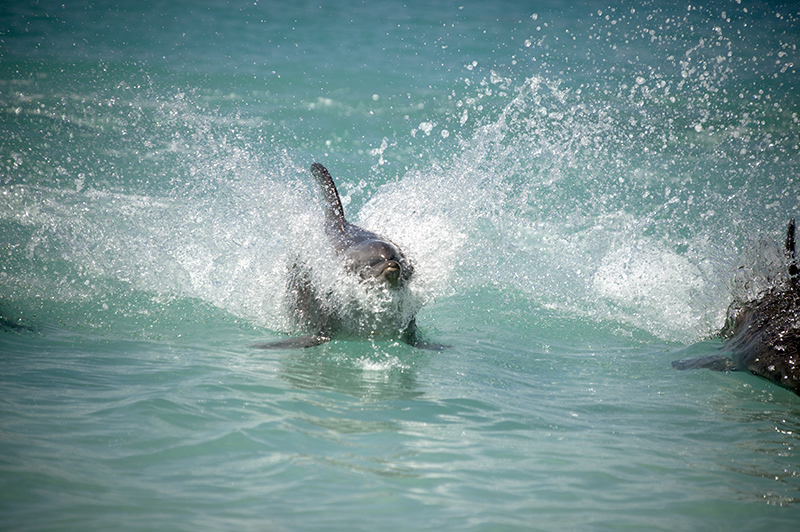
[583,191]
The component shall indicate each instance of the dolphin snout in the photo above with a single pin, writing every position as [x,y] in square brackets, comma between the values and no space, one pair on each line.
[391,272]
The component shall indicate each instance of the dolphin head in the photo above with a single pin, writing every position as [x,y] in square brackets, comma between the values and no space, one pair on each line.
[379,261]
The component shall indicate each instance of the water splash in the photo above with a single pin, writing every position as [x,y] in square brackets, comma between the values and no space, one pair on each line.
[620,192]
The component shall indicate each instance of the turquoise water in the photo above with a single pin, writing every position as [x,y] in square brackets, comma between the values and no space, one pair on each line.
[583,191]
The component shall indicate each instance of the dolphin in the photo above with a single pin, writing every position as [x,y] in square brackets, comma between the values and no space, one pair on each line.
[372,257]
[378,264]
[763,336]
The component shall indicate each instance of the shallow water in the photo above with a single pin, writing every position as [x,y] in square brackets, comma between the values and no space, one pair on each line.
[582,194]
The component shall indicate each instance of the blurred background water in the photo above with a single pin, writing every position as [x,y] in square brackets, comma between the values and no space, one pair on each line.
[583,189]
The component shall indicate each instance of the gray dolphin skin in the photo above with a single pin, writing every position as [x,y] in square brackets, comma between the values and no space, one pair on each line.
[763,336]
[376,261]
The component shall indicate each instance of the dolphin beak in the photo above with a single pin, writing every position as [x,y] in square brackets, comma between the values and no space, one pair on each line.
[392,274]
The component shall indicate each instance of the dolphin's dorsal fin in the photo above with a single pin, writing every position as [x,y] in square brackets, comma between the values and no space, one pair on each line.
[334,213]
[794,274]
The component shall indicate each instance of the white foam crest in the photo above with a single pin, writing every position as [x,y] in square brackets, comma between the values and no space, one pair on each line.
[539,201]
[229,250]
[657,290]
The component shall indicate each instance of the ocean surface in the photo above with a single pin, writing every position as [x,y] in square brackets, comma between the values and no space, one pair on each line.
[583,190]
